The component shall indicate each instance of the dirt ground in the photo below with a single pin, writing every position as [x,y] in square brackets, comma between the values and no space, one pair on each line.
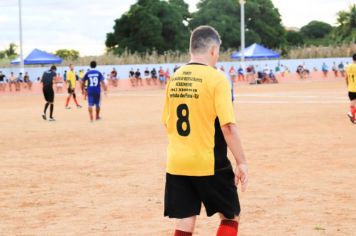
[73,177]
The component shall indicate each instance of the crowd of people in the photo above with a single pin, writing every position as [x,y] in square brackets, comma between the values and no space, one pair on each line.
[15,83]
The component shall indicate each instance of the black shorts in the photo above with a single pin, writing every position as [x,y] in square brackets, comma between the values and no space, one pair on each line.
[48,94]
[185,194]
[352,96]
[70,90]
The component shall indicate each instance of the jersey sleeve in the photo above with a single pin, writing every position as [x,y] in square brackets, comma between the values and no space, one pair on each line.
[223,103]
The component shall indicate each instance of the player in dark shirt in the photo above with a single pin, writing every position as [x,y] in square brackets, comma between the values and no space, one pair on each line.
[2,82]
[48,93]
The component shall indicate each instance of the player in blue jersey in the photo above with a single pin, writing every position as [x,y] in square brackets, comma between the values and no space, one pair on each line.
[95,82]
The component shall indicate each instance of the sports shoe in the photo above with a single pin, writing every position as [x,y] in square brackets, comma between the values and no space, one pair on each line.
[351,117]
[67,107]
[79,106]
[52,119]
[44,116]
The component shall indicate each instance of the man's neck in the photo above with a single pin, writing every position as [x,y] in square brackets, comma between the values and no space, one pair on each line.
[201,59]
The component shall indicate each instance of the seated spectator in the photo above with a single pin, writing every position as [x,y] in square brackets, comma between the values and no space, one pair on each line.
[154,75]
[12,81]
[138,77]
[162,79]
[146,76]
[27,81]
[132,77]
[2,82]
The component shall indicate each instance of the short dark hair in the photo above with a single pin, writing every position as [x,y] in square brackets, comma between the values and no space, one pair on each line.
[53,67]
[202,37]
[92,64]
[354,57]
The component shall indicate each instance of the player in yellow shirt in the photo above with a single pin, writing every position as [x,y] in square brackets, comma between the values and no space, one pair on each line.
[71,80]
[200,122]
[351,86]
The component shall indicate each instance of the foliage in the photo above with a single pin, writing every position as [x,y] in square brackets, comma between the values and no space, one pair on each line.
[10,52]
[263,23]
[294,38]
[316,30]
[149,25]
[346,30]
[67,54]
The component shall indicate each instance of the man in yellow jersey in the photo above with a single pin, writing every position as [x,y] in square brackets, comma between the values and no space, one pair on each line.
[351,85]
[200,122]
[71,80]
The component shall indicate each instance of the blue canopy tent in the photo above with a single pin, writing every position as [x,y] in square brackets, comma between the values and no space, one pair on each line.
[38,57]
[256,51]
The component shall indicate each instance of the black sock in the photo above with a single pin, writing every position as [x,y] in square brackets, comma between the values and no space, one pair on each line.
[74,96]
[45,108]
[51,111]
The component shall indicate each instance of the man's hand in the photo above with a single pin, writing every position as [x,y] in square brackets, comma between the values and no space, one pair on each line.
[241,175]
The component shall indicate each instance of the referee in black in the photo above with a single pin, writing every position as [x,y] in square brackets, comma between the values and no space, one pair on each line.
[48,93]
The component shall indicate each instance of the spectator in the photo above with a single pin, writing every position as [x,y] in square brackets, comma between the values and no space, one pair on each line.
[138,77]
[2,82]
[335,70]
[222,68]
[12,81]
[113,77]
[162,79]
[154,75]
[59,83]
[233,74]
[147,76]
[27,81]
[341,68]
[175,68]
[167,75]
[241,75]
[325,69]
[132,77]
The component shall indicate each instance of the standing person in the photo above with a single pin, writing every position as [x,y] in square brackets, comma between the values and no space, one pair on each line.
[2,82]
[351,87]
[154,75]
[198,122]
[132,77]
[59,83]
[48,93]
[95,81]
[335,70]
[233,74]
[71,80]
[325,69]
[113,77]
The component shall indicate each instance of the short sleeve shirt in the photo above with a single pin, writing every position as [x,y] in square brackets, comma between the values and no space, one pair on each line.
[196,97]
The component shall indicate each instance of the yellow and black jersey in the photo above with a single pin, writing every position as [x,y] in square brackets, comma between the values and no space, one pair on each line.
[351,77]
[71,79]
[197,103]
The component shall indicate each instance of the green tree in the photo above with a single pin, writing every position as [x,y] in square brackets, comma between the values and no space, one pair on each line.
[67,54]
[294,38]
[151,25]
[263,21]
[316,30]
[10,52]
[346,29]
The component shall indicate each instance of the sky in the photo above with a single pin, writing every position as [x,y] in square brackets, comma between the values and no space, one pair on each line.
[82,24]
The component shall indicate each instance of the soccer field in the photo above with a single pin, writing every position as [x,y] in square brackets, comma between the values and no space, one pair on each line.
[73,177]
